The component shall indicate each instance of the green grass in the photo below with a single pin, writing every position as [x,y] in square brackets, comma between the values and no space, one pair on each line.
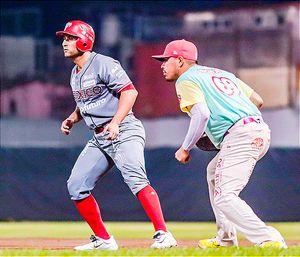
[138,230]
[124,230]
[183,230]
[249,251]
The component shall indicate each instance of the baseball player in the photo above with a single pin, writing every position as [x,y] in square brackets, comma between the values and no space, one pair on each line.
[226,109]
[104,97]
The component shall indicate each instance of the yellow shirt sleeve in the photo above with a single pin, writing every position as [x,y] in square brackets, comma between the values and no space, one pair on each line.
[245,88]
[188,94]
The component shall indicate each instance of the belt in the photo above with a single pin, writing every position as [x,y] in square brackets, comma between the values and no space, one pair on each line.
[98,130]
[245,121]
[250,119]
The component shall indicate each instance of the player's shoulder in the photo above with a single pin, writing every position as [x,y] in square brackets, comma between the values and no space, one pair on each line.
[74,70]
[185,84]
[211,70]
[188,76]
[106,60]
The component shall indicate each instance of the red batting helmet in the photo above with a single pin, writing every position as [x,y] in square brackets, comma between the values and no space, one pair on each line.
[83,31]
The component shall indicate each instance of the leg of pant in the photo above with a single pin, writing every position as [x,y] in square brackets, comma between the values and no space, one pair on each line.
[130,161]
[237,159]
[128,154]
[226,231]
[90,165]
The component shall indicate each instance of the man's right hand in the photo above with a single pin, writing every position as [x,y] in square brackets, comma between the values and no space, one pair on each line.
[182,155]
[66,126]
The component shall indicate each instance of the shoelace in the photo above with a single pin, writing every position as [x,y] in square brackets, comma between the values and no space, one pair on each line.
[93,238]
[214,241]
[157,235]
[96,241]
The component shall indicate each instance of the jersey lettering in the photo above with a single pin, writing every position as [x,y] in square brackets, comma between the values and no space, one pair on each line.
[209,70]
[86,93]
[92,105]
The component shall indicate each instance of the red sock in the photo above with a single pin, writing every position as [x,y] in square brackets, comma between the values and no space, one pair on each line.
[89,210]
[150,202]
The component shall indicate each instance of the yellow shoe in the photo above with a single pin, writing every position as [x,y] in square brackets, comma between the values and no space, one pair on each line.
[209,243]
[273,244]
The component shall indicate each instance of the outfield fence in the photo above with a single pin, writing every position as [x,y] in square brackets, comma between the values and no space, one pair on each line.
[33,186]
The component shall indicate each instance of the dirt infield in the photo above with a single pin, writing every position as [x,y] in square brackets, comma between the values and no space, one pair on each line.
[68,244]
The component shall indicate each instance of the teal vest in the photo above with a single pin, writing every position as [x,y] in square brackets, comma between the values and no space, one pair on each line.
[226,102]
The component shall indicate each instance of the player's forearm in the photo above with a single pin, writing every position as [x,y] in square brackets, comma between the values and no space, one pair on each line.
[75,116]
[126,102]
[200,115]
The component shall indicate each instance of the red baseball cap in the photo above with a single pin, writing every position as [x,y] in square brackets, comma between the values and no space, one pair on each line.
[177,48]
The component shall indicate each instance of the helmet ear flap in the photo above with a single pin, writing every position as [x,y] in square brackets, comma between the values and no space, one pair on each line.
[82,45]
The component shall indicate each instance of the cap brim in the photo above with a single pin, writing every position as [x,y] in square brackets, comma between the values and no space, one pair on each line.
[59,33]
[62,33]
[160,57]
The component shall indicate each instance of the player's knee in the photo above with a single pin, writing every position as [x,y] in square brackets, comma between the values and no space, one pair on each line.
[210,178]
[209,168]
[137,185]
[222,200]
[75,189]
[72,189]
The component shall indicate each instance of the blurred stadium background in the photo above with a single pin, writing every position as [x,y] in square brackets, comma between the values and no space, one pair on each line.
[257,40]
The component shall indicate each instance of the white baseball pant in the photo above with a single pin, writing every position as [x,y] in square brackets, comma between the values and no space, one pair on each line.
[227,175]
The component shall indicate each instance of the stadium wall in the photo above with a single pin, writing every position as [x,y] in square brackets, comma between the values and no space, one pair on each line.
[33,186]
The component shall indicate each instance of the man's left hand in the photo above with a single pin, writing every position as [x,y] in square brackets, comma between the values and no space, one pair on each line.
[182,155]
[113,129]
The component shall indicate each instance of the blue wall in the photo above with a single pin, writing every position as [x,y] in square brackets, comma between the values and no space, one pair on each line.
[33,186]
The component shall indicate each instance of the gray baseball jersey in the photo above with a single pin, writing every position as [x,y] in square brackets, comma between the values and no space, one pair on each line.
[96,89]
